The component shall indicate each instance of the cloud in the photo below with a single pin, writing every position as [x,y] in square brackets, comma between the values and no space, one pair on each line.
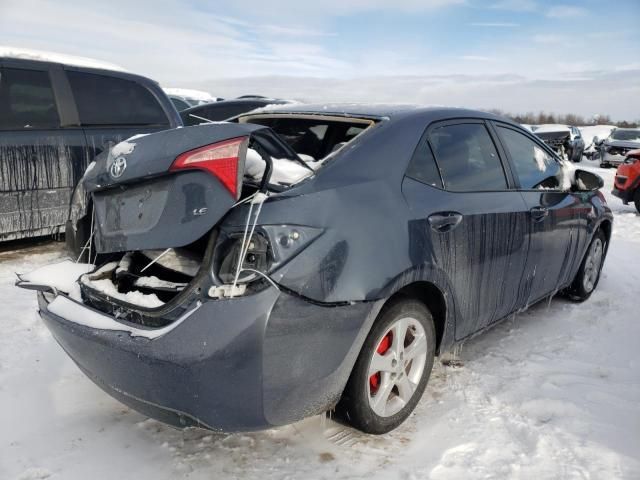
[564,11]
[548,38]
[190,43]
[618,95]
[477,58]
[279,30]
[495,24]
[167,43]
[516,5]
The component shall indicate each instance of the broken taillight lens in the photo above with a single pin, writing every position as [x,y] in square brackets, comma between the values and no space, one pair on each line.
[222,160]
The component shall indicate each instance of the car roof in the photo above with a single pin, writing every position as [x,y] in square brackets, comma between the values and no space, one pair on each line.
[379,111]
[44,62]
[242,101]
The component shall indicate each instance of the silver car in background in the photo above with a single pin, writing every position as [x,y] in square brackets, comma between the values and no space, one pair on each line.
[613,149]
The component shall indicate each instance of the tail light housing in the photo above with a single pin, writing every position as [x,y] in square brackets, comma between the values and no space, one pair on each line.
[224,160]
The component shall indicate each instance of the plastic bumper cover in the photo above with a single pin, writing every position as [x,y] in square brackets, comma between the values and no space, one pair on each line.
[242,364]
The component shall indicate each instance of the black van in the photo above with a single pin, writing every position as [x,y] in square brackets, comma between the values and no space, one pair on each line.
[54,119]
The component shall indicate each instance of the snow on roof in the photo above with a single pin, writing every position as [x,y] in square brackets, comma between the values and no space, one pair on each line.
[189,93]
[552,127]
[589,132]
[43,56]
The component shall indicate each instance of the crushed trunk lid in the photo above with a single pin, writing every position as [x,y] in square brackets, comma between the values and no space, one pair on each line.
[158,191]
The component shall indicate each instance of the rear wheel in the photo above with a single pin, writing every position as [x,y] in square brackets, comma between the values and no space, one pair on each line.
[392,369]
[636,200]
[589,274]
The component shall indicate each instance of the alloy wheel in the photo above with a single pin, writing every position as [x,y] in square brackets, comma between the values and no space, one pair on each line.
[592,265]
[396,367]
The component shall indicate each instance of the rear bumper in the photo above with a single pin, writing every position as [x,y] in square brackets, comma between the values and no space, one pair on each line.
[243,364]
[613,159]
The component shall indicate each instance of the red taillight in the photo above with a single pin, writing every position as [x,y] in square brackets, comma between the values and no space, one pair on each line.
[221,159]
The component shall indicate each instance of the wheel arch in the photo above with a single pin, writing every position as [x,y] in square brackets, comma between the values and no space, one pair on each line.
[433,297]
[606,227]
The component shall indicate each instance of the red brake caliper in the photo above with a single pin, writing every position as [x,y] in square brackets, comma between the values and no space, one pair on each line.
[385,344]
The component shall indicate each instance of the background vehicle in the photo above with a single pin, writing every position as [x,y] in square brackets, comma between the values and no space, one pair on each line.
[183,98]
[54,118]
[589,134]
[565,140]
[627,181]
[614,148]
[283,288]
[225,109]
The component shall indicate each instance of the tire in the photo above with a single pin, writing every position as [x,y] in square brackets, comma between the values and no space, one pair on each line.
[636,200]
[586,280]
[400,378]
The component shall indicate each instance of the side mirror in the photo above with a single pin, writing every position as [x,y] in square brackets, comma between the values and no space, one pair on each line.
[586,181]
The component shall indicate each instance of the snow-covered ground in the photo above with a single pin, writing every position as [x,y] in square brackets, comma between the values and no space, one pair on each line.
[551,394]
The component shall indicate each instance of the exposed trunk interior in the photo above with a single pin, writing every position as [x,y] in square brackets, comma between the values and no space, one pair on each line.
[144,280]
[155,233]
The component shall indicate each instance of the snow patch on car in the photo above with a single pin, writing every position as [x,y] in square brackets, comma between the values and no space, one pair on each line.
[191,94]
[44,56]
[77,313]
[62,276]
[106,286]
[176,259]
[155,282]
[123,148]
[285,172]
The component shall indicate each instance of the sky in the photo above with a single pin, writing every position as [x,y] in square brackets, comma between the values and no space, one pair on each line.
[516,55]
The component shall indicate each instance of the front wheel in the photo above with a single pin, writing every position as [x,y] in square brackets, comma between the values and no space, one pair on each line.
[392,370]
[589,273]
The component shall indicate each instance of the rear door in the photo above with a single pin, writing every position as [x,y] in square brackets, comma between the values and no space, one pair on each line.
[41,151]
[112,109]
[476,226]
[554,213]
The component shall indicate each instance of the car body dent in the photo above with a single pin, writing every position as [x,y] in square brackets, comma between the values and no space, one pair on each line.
[243,346]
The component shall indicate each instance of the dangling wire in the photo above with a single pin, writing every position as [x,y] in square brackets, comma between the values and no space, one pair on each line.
[155,259]
[258,199]
[88,244]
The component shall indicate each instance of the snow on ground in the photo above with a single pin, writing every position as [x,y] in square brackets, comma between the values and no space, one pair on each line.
[551,394]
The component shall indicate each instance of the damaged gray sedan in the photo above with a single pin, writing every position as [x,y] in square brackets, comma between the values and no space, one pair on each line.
[302,259]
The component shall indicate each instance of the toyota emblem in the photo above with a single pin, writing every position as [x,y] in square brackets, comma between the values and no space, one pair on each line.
[118,167]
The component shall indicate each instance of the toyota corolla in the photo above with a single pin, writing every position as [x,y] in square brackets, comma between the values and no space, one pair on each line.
[302,259]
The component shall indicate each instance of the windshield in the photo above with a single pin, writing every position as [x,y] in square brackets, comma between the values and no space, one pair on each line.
[628,135]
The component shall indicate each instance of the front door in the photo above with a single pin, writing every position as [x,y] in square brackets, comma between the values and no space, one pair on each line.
[554,213]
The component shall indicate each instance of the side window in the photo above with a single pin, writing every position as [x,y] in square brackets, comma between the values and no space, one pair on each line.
[467,158]
[534,166]
[26,100]
[423,166]
[104,100]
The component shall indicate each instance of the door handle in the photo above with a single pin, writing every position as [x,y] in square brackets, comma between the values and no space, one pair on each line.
[539,213]
[444,222]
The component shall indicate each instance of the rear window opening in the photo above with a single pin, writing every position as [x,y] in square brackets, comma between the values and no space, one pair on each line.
[312,137]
